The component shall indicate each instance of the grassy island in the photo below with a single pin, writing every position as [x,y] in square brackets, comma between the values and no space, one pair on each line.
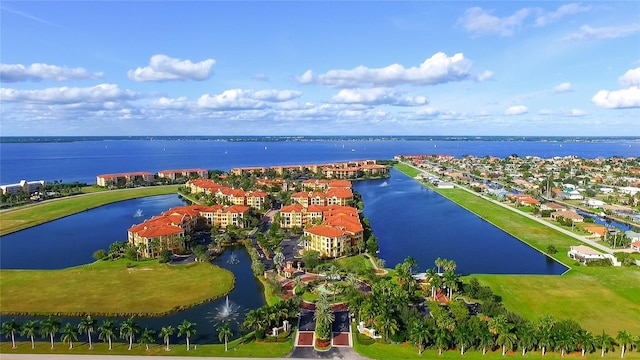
[144,288]
[597,297]
[17,219]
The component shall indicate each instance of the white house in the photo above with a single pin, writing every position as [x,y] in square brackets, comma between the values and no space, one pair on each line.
[635,246]
[585,254]
[594,203]
[606,190]
[629,190]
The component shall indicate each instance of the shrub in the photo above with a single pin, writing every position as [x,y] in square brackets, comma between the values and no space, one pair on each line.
[100,254]
[259,334]
[398,337]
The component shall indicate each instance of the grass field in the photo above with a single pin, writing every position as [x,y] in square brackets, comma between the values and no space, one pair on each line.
[110,287]
[12,220]
[598,298]
[236,349]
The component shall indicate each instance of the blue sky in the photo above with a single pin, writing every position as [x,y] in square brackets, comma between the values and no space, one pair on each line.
[320,68]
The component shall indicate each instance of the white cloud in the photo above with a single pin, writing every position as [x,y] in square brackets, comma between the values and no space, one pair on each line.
[67,95]
[611,32]
[618,99]
[630,78]
[234,99]
[165,68]
[486,75]
[563,87]
[516,110]
[437,69]
[577,113]
[39,72]
[168,103]
[377,96]
[481,22]
[545,18]
[545,112]
[306,78]
[274,95]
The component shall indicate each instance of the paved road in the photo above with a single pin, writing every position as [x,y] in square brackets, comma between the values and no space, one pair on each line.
[537,219]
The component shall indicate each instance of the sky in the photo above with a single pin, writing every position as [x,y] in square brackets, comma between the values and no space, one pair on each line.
[476,68]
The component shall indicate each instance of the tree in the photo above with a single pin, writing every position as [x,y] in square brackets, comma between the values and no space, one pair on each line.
[311,259]
[526,334]
[107,331]
[50,326]
[360,244]
[88,325]
[387,323]
[69,334]
[9,329]
[278,261]
[586,342]
[604,342]
[30,329]
[129,329]
[165,333]
[224,332]
[463,336]
[565,333]
[147,336]
[625,339]
[187,329]
[485,339]
[419,334]
[439,262]
[506,339]
[544,333]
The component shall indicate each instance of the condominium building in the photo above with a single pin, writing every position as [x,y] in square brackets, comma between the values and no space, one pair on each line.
[184,173]
[123,179]
[28,187]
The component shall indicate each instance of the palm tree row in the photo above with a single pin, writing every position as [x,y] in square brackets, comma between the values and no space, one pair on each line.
[269,316]
[444,330]
[107,331]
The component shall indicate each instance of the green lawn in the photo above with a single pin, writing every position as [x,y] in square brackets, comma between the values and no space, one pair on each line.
[12,220]
[236,349]
[110,287]
[598,298]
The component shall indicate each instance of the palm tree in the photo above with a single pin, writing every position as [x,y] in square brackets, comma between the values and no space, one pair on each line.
[147,336]
[625,340]
[50,326]
[441,339]
[506,339]
[463,336]
[565,335]
[69,334]
[451,282]
[30,329]
[485,339]
[9,329]
[419,334]
[297,283]
[544,333]
[439,262]
[224,332]
[88,325]
[165,333]
[107,330]
[128,329]
[604,342]
[586,342]
[187,329]
[526,335]
[386,322]
[278,260]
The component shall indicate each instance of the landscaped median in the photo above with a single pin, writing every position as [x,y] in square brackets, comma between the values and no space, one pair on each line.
[596,297]
[13,220]
[112,288]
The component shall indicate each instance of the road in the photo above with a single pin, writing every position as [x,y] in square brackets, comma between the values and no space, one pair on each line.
[537,219]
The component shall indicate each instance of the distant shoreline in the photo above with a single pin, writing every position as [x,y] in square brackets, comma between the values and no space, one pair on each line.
[295,138]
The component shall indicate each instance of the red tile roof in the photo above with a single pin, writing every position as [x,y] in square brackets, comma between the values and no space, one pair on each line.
[326,231]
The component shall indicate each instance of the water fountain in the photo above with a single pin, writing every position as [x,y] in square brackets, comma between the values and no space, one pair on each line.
[138,213]
[233,259]
[226,313]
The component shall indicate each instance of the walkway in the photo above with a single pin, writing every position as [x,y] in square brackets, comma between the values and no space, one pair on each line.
[537,219]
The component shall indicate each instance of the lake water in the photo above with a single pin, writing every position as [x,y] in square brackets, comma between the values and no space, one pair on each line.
[71,241]
[410,219]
